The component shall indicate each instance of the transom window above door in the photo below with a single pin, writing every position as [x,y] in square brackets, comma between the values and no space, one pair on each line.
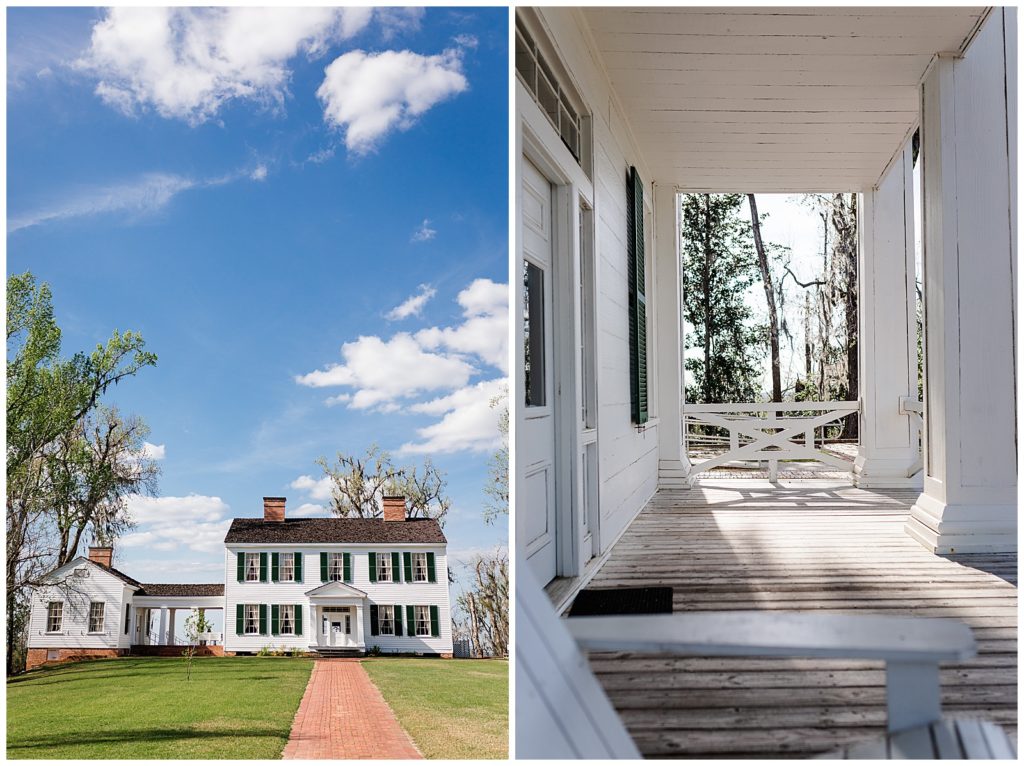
[252,567]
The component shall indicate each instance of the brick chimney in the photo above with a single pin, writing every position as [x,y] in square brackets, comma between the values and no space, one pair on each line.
[273,508]
[101,555]
[394,508]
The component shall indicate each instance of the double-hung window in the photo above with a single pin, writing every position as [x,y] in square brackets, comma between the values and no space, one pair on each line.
[287,617]
[97,610]
[419,567]
[422,614]
[54,616]
[252,567]
[287,567]
[335,566]
[384,570]
[252,619]
[386,617]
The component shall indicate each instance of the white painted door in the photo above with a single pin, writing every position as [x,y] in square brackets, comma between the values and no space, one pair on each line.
[535,435]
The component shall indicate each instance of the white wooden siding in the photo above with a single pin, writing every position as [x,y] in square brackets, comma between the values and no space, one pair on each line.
[402,593]
[772,99]
[628,457]
[77,594]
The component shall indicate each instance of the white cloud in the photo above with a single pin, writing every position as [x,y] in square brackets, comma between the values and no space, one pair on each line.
[466,41]
[186,63]
[469,421]
[308,510]
[321,155]
[424,233]
[413,305]
[153,451]
[484,332]
[367,95]
[196,522]
[317,489]
[259,173]
[383,371]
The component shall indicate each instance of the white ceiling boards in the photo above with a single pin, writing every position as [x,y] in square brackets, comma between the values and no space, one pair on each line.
[773,99]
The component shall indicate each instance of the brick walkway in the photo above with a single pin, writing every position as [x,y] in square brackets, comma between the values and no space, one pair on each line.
[343,715]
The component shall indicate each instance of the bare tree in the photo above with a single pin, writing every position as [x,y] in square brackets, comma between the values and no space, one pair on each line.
[769,293]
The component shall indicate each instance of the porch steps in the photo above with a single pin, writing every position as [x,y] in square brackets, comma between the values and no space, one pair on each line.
[328,652]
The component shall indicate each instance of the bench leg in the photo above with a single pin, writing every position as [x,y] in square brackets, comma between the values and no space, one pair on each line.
[912,694]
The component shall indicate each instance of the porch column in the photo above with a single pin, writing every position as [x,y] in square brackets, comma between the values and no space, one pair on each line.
[161,631]
[673,462]
[171,614]
[968,137]
[888,452]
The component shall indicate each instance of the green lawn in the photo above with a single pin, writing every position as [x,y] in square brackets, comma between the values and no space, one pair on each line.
[451,708]
[234,707]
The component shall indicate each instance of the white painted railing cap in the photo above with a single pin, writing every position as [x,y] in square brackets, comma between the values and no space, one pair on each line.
[779,634]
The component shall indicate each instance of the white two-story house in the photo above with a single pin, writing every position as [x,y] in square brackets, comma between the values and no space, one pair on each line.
[327,586]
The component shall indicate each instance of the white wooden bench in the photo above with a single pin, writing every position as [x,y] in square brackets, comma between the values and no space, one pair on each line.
[562,711]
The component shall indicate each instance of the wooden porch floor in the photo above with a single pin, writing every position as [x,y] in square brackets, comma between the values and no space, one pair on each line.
[799,545]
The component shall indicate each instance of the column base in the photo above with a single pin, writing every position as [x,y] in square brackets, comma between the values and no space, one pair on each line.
[886,473]
[674,474]
[962,528]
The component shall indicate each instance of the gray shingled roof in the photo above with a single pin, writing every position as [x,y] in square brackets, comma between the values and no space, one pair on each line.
[182,589]
[335,531]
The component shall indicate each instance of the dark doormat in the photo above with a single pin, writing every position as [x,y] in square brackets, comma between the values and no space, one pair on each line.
[594,602]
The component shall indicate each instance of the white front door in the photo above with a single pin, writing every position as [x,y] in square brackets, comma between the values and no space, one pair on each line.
[338,626]
[535,441]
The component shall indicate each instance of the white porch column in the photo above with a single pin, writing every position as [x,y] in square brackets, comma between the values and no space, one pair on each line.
[161,632]
[887,330]
[171,614]
[969,199]
[673,463]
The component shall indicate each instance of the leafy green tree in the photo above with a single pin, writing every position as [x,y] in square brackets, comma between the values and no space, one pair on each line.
[719,265]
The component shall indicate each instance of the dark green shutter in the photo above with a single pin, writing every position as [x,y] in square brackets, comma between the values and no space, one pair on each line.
[263,567]
[435,622]
[241,567]
[410,621]
[275,619]
[275,567]
[637,297]
[298,619]
[373,566]
[298,566]
[263,619]
[396,566]
[323,567]
[346,567]
[408,566]
[239,619]
[431,569]
[398,620]
[374,620]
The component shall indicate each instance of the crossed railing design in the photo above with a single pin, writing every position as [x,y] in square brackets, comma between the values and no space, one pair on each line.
[769,431]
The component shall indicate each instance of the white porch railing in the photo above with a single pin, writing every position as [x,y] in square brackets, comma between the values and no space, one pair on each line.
[768,431]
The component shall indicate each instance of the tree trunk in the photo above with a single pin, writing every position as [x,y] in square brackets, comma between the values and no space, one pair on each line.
[769,292]
[808,350]
[706,289]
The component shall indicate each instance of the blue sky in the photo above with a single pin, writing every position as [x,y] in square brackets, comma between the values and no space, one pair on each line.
[305,215]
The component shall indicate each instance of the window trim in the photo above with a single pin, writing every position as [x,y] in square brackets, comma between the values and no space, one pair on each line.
[281,558]
[332,557]
[417,557]
[102,617]
[251,556]
[59,615]
[254,610]
[383,620]
[281,612]
[385,568]
[424,623]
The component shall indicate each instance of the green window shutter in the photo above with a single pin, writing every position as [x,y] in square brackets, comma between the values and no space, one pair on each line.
[408,566]
[323,567]
[373,566]
[636,266]
[241,566]
[239,619]
[374,620]
[275,619]
[396,565]
[398,620]
[275,567]
[346,566]
[263,567]
[263,619]
[431,568]
[435,622]
[298,566]
[298,619]
[410,621]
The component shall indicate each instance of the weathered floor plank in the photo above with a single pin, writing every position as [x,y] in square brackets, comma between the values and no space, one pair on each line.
[798,545]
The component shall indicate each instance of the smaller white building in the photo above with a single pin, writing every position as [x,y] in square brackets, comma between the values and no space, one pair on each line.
[328,586]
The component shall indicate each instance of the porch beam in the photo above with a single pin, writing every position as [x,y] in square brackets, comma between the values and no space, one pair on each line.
[673,463]
[889,449]
[969,197]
